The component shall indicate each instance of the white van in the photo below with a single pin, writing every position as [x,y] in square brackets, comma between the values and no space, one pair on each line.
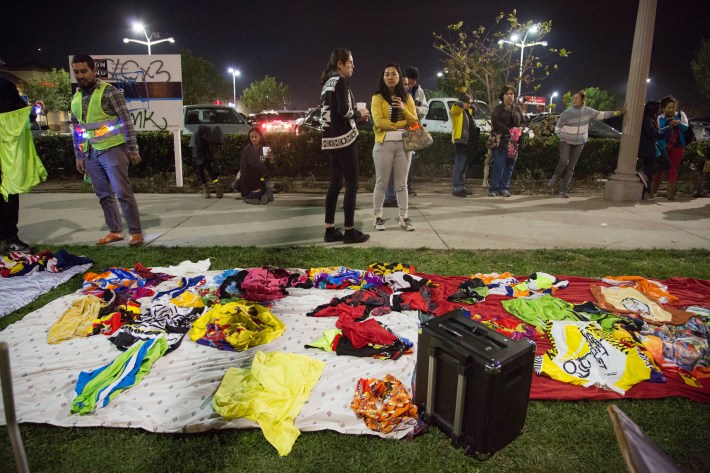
[439,116]
[212,116]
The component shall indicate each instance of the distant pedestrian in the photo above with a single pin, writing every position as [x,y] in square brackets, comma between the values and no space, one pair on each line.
[675,144]
[393,110]
[464,136]
[339,115]
[573,130]
[205,143]
[651,149]
[255,165]
[104,145]
[411,76]
[506,119]
[17,153]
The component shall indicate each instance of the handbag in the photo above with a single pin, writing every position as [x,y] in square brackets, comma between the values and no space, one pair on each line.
[493,140]
[416,137]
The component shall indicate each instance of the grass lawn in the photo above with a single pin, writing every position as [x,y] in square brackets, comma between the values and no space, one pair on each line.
[558,436]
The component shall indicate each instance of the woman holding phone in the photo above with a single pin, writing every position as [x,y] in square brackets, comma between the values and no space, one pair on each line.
[393,110]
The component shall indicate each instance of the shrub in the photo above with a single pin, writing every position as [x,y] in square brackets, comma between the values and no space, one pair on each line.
[300,156]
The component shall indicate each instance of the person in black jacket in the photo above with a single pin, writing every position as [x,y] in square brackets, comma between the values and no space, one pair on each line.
[506,119]
[339,115]
[10,100]
[255,166]
[653,155]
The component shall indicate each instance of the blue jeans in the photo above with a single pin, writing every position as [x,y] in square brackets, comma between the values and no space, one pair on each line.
[502,167]
[458,176]
[109,176]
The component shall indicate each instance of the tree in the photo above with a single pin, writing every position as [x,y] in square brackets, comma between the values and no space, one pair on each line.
[594,97]
[265,95]
[202,82]
[476,62]
[701,68]
[53,89]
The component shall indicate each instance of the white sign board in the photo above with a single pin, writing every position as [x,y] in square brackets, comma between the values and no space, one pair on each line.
[151,84]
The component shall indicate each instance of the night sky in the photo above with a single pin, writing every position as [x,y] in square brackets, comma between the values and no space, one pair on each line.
[291,40]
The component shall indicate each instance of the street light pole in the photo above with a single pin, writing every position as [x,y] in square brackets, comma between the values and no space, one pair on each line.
[138,27]
[522,45]
[552,96]
[235,73]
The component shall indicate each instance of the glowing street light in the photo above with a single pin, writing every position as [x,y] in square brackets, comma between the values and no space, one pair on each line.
[552,96]
[235,73]
[138,27]
[522,45]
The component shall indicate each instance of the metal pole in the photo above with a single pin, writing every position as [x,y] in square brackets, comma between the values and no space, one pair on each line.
[8,400]
[520,83]
[234,88]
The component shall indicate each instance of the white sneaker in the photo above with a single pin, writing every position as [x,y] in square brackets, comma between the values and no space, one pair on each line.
[406,224]
[379,224]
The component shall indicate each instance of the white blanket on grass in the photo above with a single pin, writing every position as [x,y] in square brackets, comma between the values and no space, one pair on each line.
[176,396]
[18,291]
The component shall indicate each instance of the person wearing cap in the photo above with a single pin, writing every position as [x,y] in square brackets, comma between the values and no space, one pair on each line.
[464,135]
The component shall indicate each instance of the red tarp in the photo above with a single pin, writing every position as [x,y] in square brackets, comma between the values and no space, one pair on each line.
[689,291]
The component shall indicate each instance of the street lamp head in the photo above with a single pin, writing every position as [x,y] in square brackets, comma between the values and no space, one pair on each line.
[138,26]
[514,37]
[533,28]
[171,40]
[554,94]
[544,43]
[126,40]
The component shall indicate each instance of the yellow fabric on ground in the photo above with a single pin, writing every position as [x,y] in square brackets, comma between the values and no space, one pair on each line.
[77,321]
[243,324]
[271,393]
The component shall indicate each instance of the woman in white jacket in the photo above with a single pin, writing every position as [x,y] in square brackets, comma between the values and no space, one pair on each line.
[573,130]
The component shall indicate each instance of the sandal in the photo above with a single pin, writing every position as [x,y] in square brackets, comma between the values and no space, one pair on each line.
[110,238]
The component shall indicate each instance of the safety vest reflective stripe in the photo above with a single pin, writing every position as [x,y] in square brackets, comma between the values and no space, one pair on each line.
[98,130]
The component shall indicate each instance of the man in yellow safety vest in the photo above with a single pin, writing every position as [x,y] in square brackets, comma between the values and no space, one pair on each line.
[104,145]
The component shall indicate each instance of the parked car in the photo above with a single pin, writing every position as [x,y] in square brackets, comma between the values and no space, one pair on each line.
[311,122]
[227,118]
[701,129]
[439,116]
[544,125]
[277,121]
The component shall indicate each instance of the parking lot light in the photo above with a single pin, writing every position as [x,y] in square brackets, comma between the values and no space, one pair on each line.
[235,73]
[139,27]
[522,45]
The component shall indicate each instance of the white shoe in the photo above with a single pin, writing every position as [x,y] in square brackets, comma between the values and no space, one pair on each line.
[379,224]
[406,224]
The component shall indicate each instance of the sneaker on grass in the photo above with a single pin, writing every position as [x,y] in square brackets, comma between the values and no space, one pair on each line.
[379,224]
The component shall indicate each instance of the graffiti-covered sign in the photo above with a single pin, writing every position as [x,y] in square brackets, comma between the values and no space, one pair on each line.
[152,85]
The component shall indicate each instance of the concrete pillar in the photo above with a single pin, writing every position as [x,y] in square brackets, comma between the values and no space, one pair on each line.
[624,185]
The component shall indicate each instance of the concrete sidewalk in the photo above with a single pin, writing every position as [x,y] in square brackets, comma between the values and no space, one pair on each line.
[442,222]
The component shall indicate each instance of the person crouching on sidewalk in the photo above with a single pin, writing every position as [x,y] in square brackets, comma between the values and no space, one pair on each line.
[255,168]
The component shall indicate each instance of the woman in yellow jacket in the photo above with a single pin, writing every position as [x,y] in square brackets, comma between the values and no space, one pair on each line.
[393,110]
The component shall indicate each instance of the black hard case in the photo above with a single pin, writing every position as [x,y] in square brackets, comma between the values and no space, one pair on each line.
[473,382]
